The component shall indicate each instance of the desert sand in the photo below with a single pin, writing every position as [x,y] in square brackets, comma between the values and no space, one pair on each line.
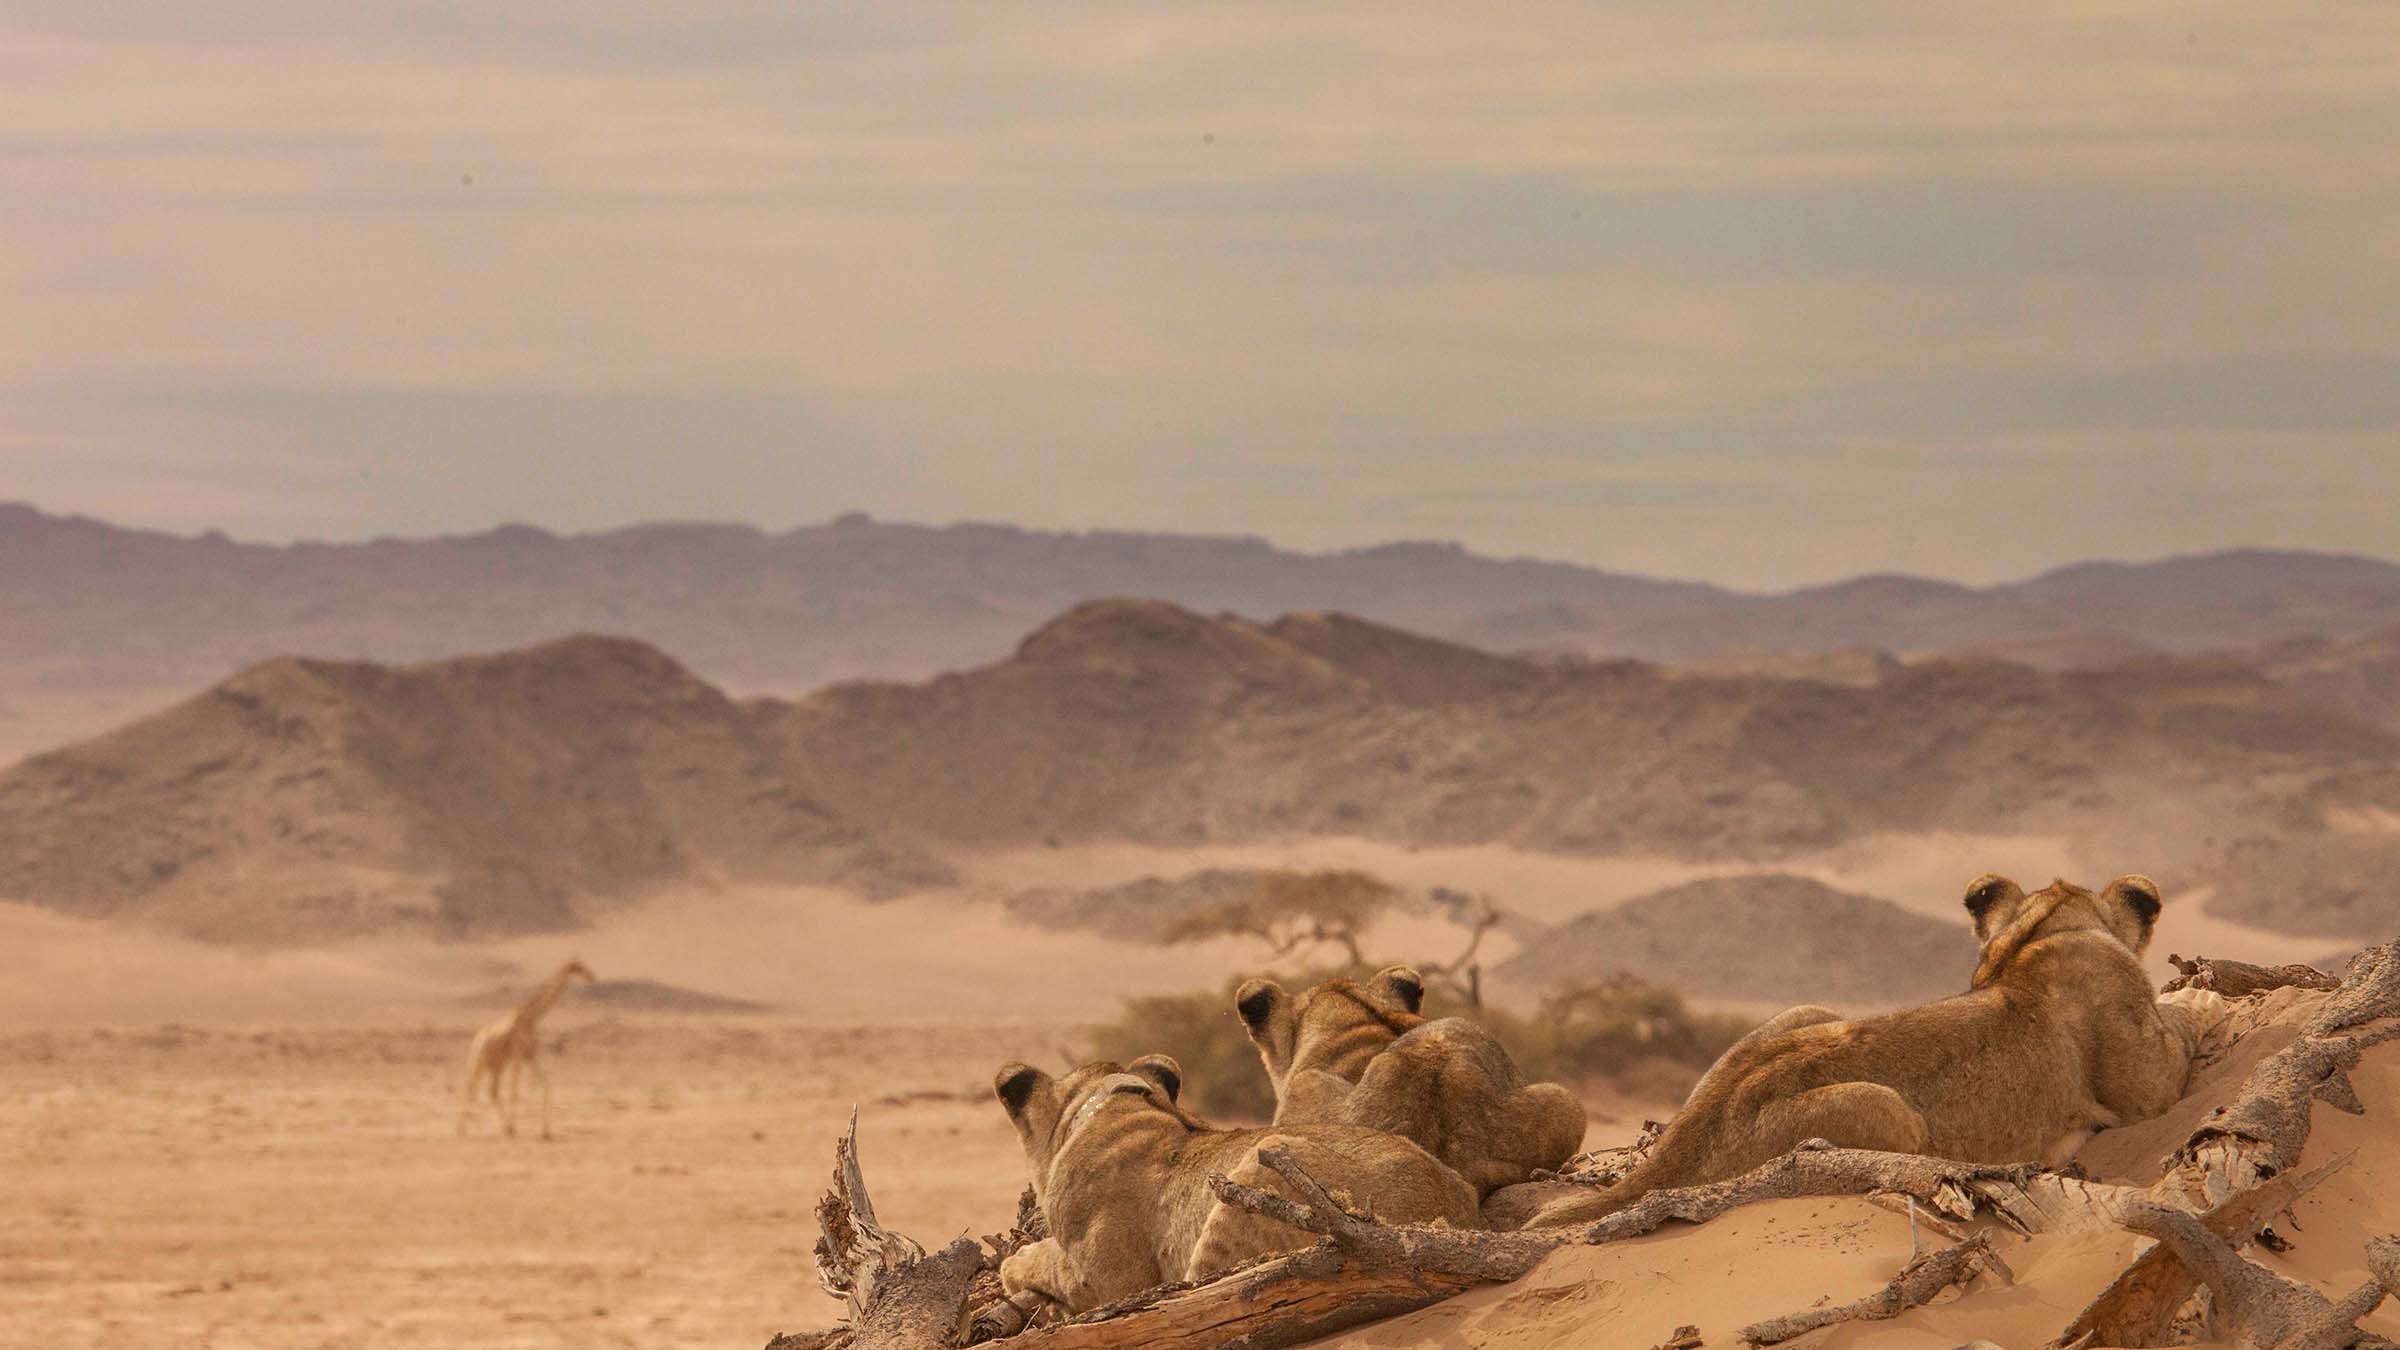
[302,1186]
[202,1145]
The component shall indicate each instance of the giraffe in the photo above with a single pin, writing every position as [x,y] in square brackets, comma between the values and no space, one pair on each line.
[511,1046]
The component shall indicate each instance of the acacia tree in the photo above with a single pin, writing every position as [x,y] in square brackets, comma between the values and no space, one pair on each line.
[1300,912]
[1294,911]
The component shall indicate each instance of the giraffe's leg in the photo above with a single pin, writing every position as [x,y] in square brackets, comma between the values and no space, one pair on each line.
[484,1082]
[516,1079]
[477,1062]
[541,1078]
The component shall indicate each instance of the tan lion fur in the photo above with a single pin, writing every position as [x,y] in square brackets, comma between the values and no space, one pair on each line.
[1121,1172]
[1361,1054]
[2059,1035]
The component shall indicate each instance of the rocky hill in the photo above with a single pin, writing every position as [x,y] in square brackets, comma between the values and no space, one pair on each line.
[502,792]
[85,605]
[1763,937]
[2359,674]
[486,794]
[1139,720]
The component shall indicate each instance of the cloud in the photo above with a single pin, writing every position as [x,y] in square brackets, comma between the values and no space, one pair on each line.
[1713,293]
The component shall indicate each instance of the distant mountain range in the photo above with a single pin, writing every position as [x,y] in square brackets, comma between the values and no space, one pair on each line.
[522,790]
[140,615]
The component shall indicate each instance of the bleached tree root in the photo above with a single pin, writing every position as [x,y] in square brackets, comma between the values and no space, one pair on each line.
[1365,1270]
[2139,1307]
[899,1297]
[1916,1284]
[2257,1309]
[2233,1175]
[2261,1133]
[2238,979]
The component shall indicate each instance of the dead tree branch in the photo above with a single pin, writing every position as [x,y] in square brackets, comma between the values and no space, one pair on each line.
[1955,1189]
[2235,1171]
[2235,979]
[1459,975]
[899,1298]
[2139,1306]
[1366,1270]
[2262,1132]
[1916,1284]
[2255,1308]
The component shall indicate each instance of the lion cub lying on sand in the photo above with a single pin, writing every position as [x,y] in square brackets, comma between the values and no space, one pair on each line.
[2058,1035]
[1122,1175]
[1356,1054]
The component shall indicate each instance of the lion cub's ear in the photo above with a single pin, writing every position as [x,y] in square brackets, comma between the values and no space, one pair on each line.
[1162,1070]
[2139,894]
[1257,1001]
[1987,895]
[1401,985]
[1014,1085]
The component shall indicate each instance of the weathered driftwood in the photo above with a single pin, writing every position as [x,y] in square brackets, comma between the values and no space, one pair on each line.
[1817,1169]
[2236,979]
[2233,1173]
[1916,1284]
[1366,1270]
[1282,1302]
[1607,1166]
[2261,1132]
[899,1297]
[995,1312]
[2139,1307]
[2257,1309]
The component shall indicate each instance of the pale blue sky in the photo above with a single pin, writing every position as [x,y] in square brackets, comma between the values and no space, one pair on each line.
[1764,296]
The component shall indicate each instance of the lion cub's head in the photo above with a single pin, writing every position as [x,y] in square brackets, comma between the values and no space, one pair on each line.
[1336,1026]
[2007,919]
[1049,1111]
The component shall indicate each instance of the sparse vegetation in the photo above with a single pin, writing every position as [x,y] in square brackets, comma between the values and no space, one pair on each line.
[1221,1074]
[1293,911]
[1617,1031]
[1620,1032]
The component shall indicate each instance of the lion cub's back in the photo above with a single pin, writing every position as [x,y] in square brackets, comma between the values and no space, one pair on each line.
[1381,1174]
[1462,1046]
[1390,1177]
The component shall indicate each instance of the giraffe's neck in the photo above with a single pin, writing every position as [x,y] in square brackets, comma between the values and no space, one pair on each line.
[531,1010]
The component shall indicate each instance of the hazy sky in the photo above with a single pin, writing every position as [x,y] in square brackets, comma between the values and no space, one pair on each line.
[1763,294]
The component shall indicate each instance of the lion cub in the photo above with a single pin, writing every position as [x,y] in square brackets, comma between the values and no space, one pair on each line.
[2058,1035]
[1361,1055]
[1121,1172]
